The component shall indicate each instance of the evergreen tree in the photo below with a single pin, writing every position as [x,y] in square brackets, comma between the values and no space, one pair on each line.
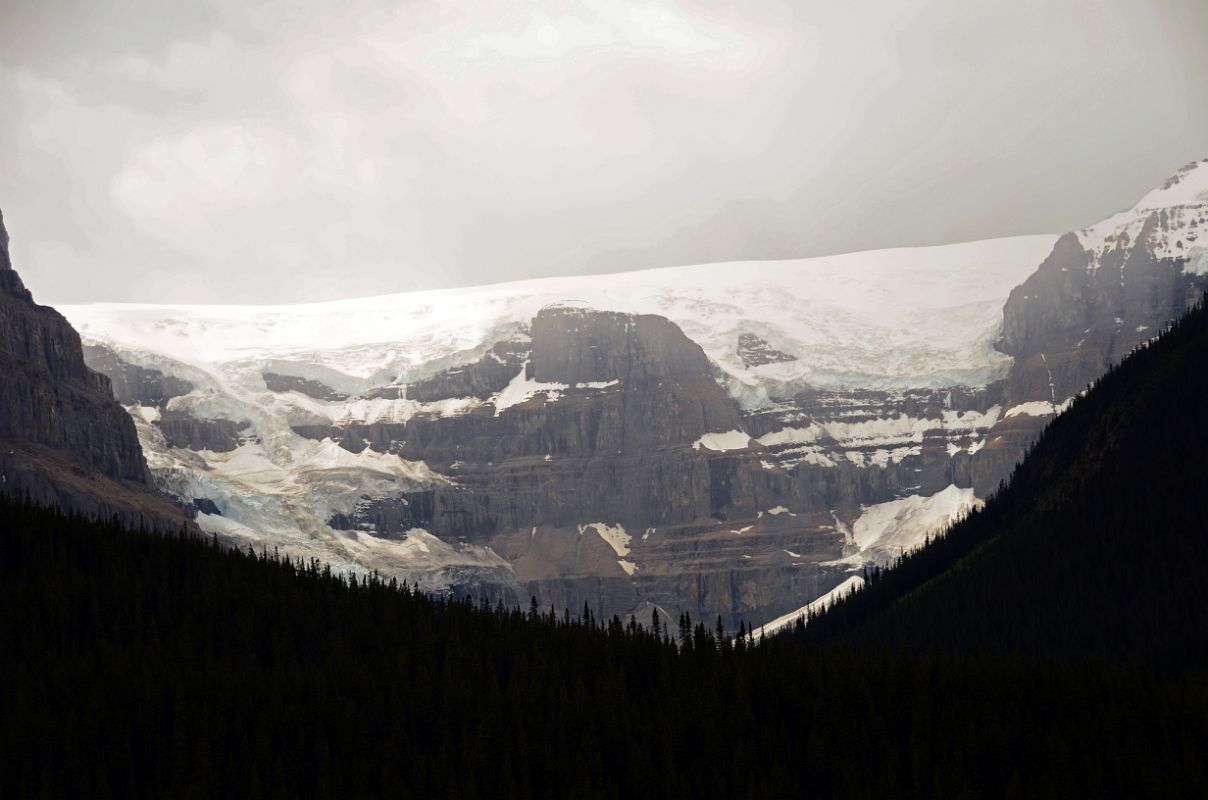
[685,628]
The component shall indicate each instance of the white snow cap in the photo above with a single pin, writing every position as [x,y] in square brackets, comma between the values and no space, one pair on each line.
[1188,186]
[903,318]
[1183,198]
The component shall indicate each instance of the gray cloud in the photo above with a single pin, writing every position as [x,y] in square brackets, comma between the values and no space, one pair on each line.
[229,151]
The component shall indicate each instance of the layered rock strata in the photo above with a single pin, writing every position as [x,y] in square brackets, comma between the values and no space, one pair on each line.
[64,440]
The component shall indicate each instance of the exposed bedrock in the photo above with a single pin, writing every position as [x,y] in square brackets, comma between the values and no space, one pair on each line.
[275,382]
[49,397]
[181,429]
[755,351]
[1082,311]
[153,388]
[485,377]
[64,440]
[733,571]
[1005,447]
[618,447]
[636,491]
[580,345]
[635,416]
[744,532]
[134,384]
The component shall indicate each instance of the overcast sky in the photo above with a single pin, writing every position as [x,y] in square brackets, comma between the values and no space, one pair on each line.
[295,150]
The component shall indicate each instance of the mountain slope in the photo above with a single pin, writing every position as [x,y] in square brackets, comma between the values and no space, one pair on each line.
[1096,548]
[447,423]
[63,439]
[1108,287]
[813,416]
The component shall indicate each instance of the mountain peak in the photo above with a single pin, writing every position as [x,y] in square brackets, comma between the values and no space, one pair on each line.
[1165,221]
[10,281]
[1188,186]
[5,262]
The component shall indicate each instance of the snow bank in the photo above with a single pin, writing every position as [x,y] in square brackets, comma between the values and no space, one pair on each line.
[724,442]
[883,431]
[904,524]
[790,619]
[1037,408]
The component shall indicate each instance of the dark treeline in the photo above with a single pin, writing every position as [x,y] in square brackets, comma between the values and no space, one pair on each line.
[1051,646]
[1096,549]
[136,665]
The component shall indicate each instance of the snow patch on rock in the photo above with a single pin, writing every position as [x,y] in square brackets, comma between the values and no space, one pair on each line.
[904,524]
[522,388]
[617,539]
[1037,408]
[724,442]
[1199,264]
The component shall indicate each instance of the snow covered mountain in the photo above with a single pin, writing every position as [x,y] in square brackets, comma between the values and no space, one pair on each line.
[729,439]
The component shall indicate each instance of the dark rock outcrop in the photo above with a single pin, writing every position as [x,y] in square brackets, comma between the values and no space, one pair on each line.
[389,517]
[5,262]
[10,282]
[1082,311]
[292,383]
[618,446]
[386,393]
[64,440]
[580,345]
[1079,313]
[204,505]
[485,377]
[756,351]
[181,429]
[132,383]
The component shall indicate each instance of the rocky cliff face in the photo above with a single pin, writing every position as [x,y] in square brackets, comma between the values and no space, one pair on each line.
[63,439]
[10,282]
[132,384]
[598,478]
[1103,291]
[1085,309]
